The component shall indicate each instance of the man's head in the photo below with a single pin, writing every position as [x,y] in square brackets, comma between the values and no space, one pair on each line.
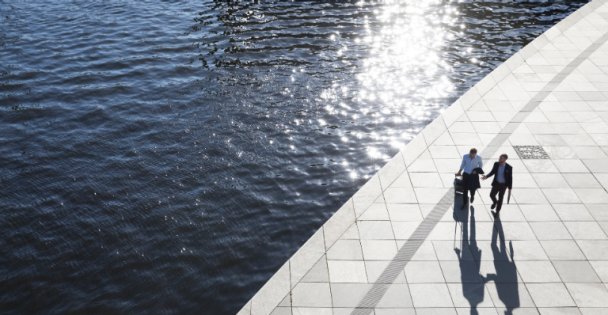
[473,153]
[503,158]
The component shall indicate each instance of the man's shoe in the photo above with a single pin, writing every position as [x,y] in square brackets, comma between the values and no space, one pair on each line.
[493,206]
[472,199]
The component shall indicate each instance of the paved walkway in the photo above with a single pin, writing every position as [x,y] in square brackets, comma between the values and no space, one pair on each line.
[398,247]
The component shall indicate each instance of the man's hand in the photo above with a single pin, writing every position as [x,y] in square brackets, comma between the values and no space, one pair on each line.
[458,173]
[484,177]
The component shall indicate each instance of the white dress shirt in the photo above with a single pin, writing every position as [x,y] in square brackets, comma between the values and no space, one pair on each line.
[468,164]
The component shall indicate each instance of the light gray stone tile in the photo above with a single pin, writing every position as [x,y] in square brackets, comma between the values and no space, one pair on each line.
[598,211]
[510,296]
[404,212]
[444,151]
[430,195]
[549,180]
[375,230]
[400,195]
[375,212]
[471,294]
[466,138]
[540,166]
[281,311]
[525,180]
[594,311]
[404,229]
[596,166]
[426,180]
[594,249]
[572,212]
[570,166]
[423,272]
[435,311]
[367,195]
[529,250]
[559,311]
[591,152]
[575,271]
[345,250]
[539,213]
[582,180]
[414,149]
[396,296]
[528,196]
[465,271]
[563,250]
[589,294]
[537,271]
[592,195]
[554,140]
[318,272]
[510,212]
[307,256]
[550,295]
[347,271]
[351,233]
[601,269]
[433,130]
[348,294]
[286,301]
[391,170]
[402,181]
[394,311]
[422,165]
[379,249]
[603,179]
[430,295]
[376,268]
[338,223]
[518,231]
[312,311]
[311,295]
[550,231]
[424,252]
[271,294]
[585,230]
[561,195]
[560,152]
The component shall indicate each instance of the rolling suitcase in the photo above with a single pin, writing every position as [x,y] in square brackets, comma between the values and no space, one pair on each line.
[458,185]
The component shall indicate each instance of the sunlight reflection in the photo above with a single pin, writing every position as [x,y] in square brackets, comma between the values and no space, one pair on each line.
[404,72]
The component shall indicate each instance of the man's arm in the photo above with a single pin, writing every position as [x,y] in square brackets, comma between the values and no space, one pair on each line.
[510,180]
[461,167]
[492,172]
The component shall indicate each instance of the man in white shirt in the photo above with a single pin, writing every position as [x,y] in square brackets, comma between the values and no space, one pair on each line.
[469,170]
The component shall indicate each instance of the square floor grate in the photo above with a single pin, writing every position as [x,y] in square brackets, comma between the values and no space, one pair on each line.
[529,152]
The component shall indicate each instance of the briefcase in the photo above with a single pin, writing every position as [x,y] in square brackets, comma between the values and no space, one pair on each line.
[458,185]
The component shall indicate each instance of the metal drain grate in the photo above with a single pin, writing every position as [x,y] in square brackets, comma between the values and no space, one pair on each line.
[529,152]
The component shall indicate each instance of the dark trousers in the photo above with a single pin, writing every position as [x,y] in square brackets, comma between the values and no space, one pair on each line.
[500,190]
[468,187]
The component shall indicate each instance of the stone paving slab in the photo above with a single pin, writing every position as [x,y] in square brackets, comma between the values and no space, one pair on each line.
[399,247]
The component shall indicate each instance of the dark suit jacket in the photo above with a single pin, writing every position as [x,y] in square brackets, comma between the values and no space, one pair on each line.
[508,174]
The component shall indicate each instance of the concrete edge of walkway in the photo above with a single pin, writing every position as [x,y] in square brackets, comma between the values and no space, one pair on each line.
[289,274]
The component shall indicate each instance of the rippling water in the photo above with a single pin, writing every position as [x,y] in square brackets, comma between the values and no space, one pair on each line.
[168,157]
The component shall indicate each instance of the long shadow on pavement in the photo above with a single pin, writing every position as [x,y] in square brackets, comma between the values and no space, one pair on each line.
[469,258]
[505,278]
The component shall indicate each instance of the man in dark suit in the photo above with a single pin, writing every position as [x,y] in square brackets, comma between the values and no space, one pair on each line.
[503,179]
